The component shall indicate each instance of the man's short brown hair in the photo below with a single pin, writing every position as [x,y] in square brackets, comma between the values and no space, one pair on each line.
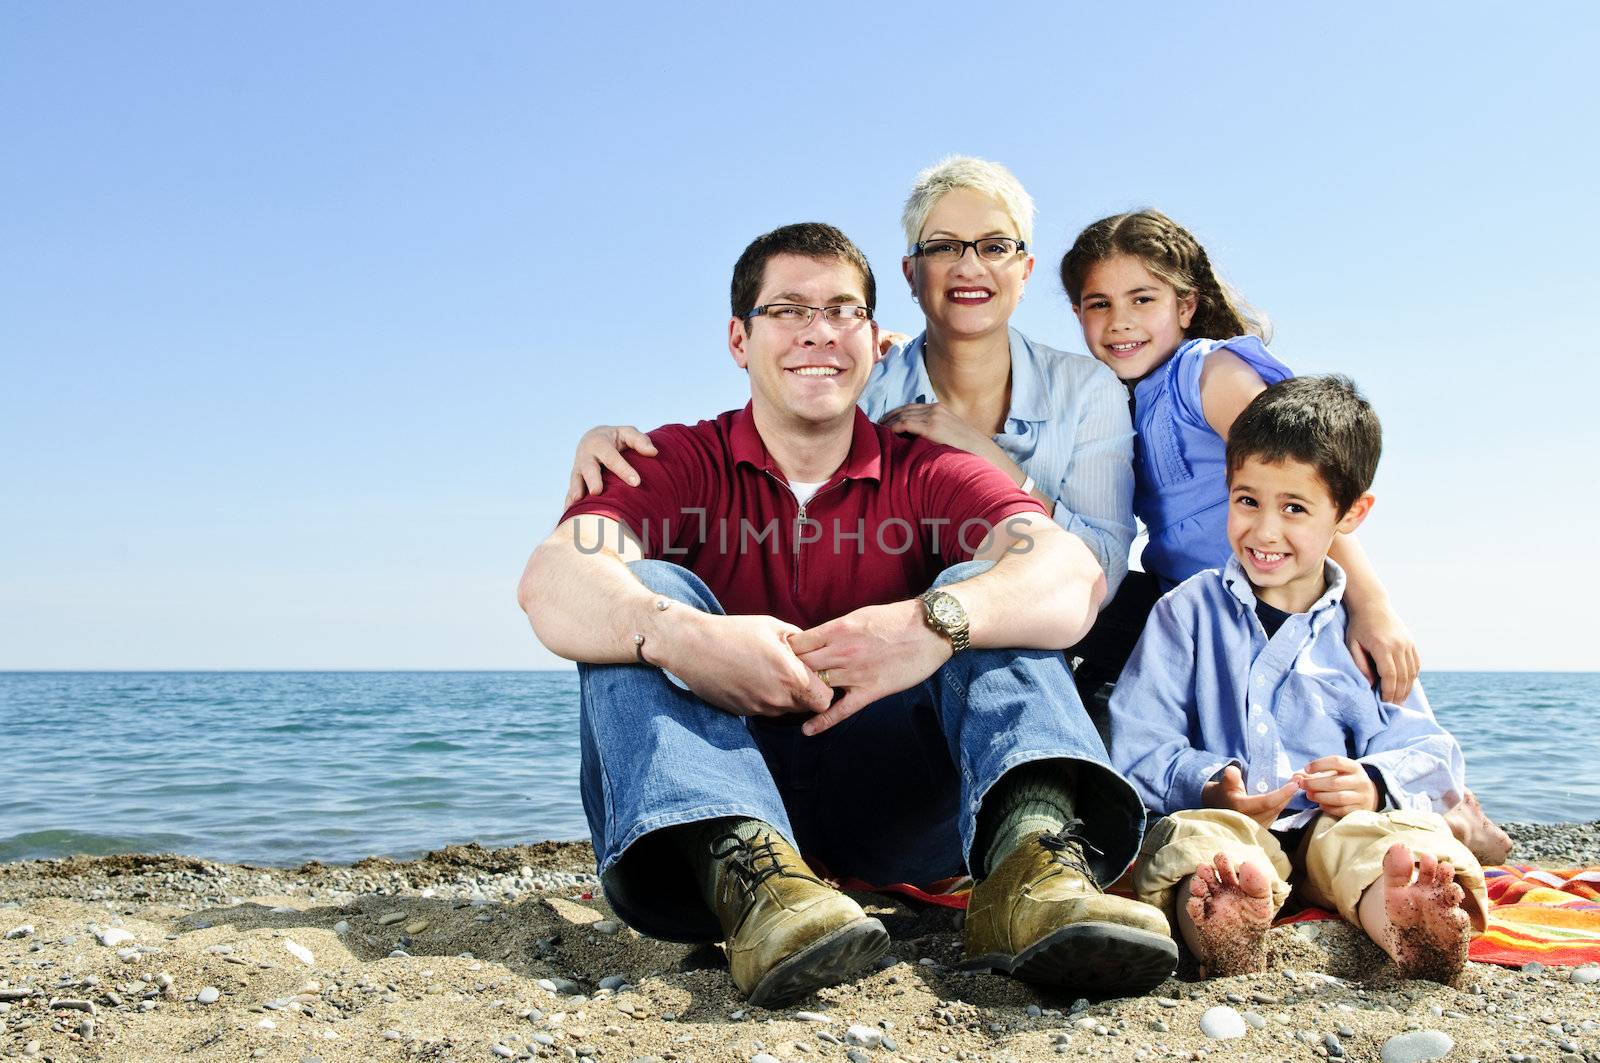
[809,239]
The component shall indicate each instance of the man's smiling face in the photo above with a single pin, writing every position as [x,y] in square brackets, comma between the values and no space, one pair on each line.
[810,374]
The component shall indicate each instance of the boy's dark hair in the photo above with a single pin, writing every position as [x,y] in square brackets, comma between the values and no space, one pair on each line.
[1322,421]
[812,239]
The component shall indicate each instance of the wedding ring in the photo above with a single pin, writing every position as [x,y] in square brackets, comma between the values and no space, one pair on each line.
[822,674]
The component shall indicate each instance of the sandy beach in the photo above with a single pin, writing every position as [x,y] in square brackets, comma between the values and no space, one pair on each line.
[477,954]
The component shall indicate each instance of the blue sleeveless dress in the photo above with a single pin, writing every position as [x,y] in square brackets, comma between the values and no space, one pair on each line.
[1181,488]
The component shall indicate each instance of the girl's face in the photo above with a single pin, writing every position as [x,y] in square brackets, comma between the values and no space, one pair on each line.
[1132,320]
[972,296]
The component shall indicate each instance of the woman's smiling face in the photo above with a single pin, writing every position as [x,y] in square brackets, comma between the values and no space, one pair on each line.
[970,297]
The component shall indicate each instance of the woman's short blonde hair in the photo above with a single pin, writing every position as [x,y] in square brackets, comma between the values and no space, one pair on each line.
[979,175]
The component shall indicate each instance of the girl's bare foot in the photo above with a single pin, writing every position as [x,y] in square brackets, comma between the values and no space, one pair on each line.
[1226,918]
[1421,924]
[1477,831]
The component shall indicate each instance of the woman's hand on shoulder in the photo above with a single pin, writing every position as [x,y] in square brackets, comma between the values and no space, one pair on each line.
[934,421]
[601,448]
[1227,384]
[888,340]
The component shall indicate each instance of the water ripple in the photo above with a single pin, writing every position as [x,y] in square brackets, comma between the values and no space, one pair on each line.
[279,768]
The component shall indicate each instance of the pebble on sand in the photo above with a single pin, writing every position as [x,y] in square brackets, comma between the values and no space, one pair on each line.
[208,995]
[23,931]
[1585,975]
[300,952]
[113,936]
[1222,1023]
[1416,1047]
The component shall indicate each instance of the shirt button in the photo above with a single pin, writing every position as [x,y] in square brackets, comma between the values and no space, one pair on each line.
[1261,728]
[1261,787]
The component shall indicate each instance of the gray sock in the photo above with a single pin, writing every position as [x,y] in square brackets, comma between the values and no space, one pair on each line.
[1034,797]
[697,839]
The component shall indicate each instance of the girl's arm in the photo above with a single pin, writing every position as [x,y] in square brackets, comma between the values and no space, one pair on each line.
[1376,635]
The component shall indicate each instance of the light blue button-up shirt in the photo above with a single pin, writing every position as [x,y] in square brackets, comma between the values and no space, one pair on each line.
[1206,688]
[1068,428]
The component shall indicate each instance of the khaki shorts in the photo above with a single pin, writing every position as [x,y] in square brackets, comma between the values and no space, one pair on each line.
[1341,857]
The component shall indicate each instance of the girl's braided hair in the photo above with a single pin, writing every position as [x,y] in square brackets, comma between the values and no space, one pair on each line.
[1171,252]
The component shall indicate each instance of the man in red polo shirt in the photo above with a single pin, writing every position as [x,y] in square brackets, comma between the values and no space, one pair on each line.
[805,630]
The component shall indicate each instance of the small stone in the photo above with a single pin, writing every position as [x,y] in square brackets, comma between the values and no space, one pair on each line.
[762,1057]
[416,926]
[1335,1049]
[220,950]
[824,1035]
[74,1005]
[1166,1002]
[1585,975]
[391,1035]
[505,1053]
[1533,967]
[31,1048]
[23,931]
[266,1024]
[1256,1020]
[391,918]
[1034,1011]
[128,955]
[613,982]
[300,952]
[543,1039]
[1417,1046]
[208,995]
[812,1016]
[86,1029]
[856,1055]
[1263,998]
[342,927]
[606,926]
[1222,1023]
[863,1036]
[1157,1026]
[114,936]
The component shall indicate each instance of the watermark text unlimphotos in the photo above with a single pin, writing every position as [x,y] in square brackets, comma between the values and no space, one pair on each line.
[894,536]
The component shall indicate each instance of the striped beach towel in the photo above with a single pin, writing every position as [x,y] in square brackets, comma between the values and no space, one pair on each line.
[1551,915]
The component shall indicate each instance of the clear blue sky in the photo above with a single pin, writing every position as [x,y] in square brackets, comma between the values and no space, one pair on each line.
[303,306]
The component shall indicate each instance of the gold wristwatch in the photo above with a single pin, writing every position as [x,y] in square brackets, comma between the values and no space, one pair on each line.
[944,613]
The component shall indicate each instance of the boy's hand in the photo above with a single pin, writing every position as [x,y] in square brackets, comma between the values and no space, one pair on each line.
[1229,792]
[1339,786]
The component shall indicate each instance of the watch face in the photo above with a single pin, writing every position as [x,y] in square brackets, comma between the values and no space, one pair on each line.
[947,611]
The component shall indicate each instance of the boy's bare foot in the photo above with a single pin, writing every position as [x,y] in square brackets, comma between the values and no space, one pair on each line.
[1428,931]
[1477,831]
[1226,918]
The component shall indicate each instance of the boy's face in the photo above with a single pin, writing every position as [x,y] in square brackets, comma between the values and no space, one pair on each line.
[1281,521]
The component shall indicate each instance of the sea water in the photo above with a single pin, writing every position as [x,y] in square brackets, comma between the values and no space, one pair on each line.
[283,767]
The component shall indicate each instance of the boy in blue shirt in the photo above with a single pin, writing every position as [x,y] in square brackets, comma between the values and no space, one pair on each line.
[1242,719]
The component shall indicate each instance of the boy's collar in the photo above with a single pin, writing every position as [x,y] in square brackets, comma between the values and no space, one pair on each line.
[1239,586]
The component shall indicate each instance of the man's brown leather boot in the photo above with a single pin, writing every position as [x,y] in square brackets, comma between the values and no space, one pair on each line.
[1040,917]
[787,932]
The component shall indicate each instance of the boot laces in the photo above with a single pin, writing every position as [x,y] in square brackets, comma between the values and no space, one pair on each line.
[1069,847]
[752,862]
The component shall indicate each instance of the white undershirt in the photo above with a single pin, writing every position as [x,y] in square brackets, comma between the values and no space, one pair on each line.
[803,492]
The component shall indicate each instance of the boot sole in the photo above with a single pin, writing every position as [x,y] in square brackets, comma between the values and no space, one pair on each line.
[827,961]
[1092,958]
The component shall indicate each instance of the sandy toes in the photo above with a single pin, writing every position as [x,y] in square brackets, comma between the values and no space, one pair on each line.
[1428,930]
[1231,913]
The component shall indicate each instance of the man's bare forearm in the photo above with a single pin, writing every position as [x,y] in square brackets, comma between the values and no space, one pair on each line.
[1042,593]
[581,599]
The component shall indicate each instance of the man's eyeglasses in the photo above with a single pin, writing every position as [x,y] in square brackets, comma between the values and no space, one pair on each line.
[990,248]
[842,316]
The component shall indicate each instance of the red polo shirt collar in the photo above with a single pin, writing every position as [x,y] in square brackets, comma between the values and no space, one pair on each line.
[864,462]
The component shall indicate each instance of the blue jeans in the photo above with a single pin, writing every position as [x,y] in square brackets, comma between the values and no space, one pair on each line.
[889,795]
